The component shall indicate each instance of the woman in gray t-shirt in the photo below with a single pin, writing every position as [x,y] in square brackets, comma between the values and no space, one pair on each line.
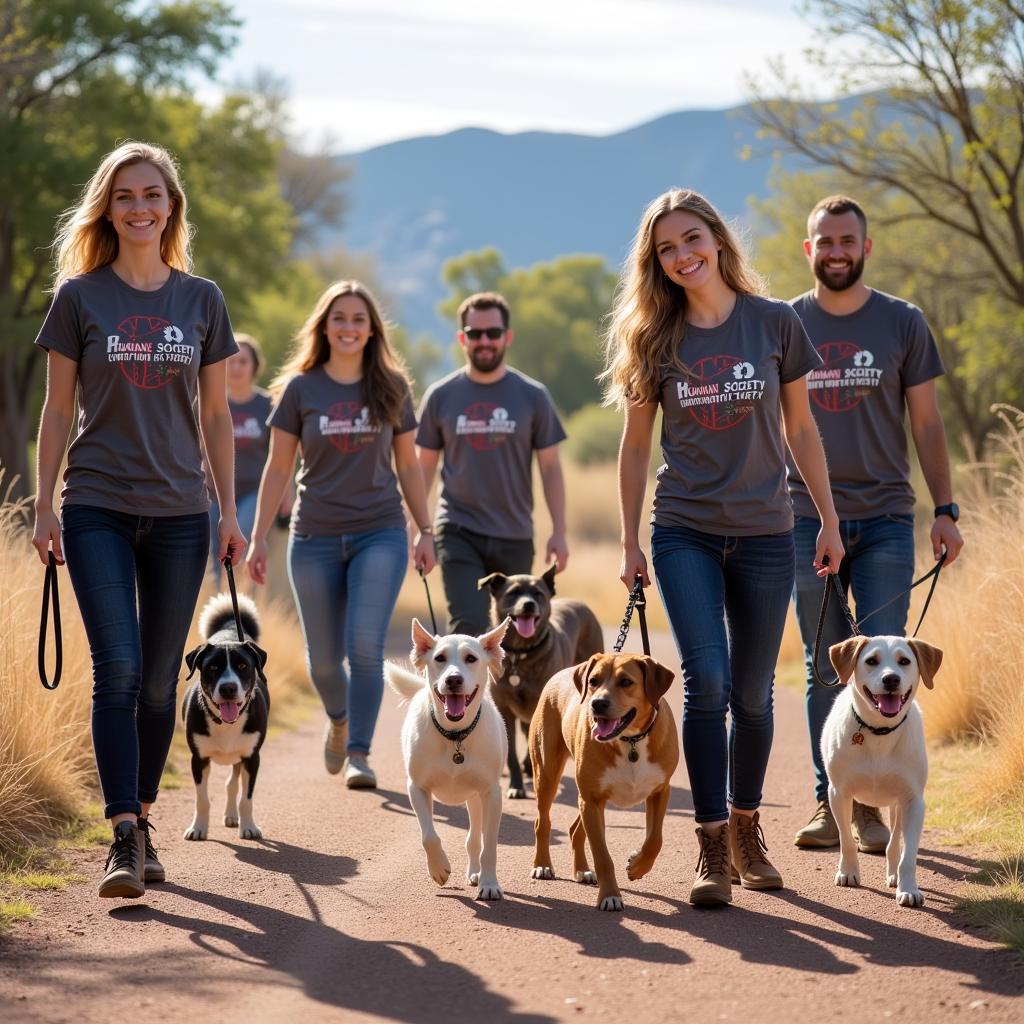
[140,340]
[692,336]
[344,401]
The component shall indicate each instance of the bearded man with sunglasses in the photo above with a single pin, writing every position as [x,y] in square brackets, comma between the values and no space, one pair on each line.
[488,419]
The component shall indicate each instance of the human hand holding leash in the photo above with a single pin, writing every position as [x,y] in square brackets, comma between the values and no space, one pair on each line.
[232,541]
[423,556]
[634,563]
[946,535]
[46,533]
[829,551]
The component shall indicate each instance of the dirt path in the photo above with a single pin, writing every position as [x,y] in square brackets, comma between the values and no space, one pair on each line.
[333,918]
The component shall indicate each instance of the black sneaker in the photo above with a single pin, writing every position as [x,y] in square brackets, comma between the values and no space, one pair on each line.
[153,870]
[124,867]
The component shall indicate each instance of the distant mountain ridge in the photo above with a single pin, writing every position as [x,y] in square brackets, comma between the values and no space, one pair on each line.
[534,195]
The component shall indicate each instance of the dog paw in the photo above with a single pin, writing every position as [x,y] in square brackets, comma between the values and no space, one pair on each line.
[473,877]
[515,793]
[637,866]
[586,878]
[910,897]
[196,831]
[491,891]
[231,820]
[844,878]
[890,880]
[250,831]
[438,866]
[610,903]
[545,873]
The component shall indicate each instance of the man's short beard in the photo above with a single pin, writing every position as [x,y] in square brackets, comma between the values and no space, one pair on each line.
[848,280]
[494,363]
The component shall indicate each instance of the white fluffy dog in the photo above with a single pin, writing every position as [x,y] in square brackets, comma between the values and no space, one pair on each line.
[874,750]
[454,744]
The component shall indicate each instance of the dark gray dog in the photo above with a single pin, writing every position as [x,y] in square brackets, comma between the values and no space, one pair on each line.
[548,635]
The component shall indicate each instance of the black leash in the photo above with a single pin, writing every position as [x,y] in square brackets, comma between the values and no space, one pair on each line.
[430,604]
[234,596]
[637,600]
[50,585]
[832,583]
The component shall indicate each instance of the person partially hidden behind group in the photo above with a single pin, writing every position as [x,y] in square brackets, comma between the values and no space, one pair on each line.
[692,335]
[344,400]
[138,337]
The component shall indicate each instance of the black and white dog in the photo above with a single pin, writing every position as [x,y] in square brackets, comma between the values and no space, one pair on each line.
[226,711]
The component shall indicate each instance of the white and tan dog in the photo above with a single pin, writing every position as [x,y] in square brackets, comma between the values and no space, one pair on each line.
[874,750]
[454,744]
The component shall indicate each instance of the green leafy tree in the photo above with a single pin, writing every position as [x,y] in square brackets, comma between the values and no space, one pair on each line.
[557,313]
[75,77]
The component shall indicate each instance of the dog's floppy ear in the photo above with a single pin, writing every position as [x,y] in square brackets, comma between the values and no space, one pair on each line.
[422,642]
[549,577]
[844,656]
[192,658]
[928,660]
[581,675]
[261,658]
[493,583]
[657,680]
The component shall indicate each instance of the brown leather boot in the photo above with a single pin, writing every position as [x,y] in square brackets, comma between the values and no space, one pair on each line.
[712,886]
[750,864]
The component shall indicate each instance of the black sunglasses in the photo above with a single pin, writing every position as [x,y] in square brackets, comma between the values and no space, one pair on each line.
[476,333]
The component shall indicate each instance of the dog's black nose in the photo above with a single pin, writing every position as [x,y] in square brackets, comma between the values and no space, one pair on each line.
[891,681]
[453,678]
[228,691]
[529,608]
[599,705]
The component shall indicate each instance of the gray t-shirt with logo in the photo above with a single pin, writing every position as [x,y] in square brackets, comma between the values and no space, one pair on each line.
[721,435]
[488,433]
[252,440]
[869,359]
[346,481]
[139,353]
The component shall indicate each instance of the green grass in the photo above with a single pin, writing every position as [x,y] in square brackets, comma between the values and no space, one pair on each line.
[13,910]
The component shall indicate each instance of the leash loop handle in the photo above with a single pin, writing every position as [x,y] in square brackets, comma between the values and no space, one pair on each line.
[234,595]
[50,591]
[637,600]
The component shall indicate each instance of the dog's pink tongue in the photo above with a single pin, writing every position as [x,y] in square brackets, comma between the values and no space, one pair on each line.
[229,711]
[526,625]
[604,727]
[455,705]
[889,703]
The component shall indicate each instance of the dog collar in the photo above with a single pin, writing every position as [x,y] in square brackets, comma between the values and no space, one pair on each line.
[634,740]
[455,735]
[883,730]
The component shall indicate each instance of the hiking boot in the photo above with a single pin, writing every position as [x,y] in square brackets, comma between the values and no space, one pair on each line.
[749,854]
[358,774]
[821,832]
[712,886]
[124,867]
[153,870]
[868,827]
[335,742]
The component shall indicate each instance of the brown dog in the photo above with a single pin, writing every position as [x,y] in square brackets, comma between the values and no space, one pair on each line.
[609,714]
[547,634]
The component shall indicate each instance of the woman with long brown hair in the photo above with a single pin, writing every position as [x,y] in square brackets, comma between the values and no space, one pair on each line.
[692,335]
[344,401]
[138,338]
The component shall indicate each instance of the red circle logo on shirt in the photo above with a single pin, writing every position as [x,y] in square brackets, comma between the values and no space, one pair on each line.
[485,426]
[149,351]
[705,386]
[347,426]
[828,386]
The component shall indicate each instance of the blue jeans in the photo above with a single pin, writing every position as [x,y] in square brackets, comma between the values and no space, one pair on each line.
[726,599]
[136,579]
[246,505]
[345,588]
[879,563]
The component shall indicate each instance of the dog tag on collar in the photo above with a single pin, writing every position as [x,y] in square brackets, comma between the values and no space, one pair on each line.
[513,679]
[633,755]
[458,757]
[858,738]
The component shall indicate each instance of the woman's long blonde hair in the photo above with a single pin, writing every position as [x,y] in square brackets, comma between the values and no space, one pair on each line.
[86,240]
[385,379]
[648,318]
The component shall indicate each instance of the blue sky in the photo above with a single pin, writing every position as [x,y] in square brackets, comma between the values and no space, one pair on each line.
[363,73]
